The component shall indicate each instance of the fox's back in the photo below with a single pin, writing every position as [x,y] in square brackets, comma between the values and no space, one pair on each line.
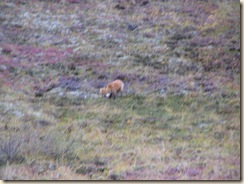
[116,85]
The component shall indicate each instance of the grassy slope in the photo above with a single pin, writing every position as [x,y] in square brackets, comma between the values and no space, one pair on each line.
[179,117]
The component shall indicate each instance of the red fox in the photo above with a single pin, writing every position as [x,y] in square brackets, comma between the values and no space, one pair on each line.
[112,89]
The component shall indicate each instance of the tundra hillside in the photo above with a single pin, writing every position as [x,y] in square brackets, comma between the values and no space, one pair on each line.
[178,118]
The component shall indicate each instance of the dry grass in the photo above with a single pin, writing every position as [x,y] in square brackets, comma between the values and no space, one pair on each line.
[179,117]
[182,135]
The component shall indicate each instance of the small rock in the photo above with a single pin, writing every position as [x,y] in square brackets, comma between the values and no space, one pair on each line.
[114,177]
[198,76]
[43,122]
[132,27]
[209,88]
[39,93]
[144,3]
[119,7]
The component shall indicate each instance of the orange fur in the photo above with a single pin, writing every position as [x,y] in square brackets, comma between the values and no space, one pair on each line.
[112,89]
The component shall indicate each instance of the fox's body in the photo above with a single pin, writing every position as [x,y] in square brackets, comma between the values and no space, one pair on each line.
[112,89]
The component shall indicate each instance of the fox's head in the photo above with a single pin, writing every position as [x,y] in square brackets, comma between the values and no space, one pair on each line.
[104,92]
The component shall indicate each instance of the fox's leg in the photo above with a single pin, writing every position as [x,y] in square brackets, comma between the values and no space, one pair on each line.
[120,93]
[114,96]
[110,95]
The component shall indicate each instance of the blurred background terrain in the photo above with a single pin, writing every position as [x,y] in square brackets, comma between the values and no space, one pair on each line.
[179,117]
